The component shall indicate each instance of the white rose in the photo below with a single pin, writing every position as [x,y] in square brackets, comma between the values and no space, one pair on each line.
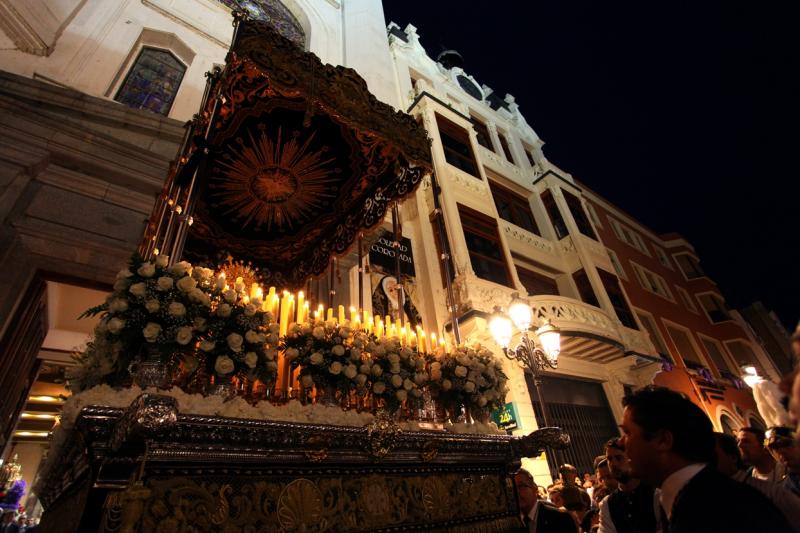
[208,346]
[417,393]
[364,368]
[146,270]
[121,284]
[482,401]
[221,282]
[115,325]
[125,273]
[335,368]
[405,353]
[197,296]
[251,336]
[436,365]
[408,384]
[394,368]
[234,341]
[250,309]
[152,305]
[291,354]
[397,381]
[202,273]
[138,289]
[162,260]
[224,365]
[184,335]
[179,269]
[420,378]
[447,384]
[239,286]
[186,283]
[355,354]
[151,331]
[378,387]
[436,375]
[461,371]
[393,358]
[377,370]
[164,283]
[251,359]
[272,366]
[338,350]
[350,371]
[469,386]
[401,395]
[176,309]
[230,296]
[306,380]
[200,323]
[118,305]
[317,358]
[224,310]
[318,332]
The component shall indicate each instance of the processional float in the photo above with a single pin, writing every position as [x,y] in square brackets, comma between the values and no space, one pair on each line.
[287,165]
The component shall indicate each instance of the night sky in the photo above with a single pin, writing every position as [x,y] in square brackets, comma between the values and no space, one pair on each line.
[684,115]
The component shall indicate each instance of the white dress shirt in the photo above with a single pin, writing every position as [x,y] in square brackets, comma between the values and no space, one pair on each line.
[675,482]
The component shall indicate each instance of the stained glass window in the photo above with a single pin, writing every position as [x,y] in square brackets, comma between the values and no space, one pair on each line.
[275,13]
[152,82]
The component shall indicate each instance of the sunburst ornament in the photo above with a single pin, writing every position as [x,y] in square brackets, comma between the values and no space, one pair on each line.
[274,184]
[235,269]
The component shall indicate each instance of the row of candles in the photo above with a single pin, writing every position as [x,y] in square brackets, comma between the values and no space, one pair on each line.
[288,308]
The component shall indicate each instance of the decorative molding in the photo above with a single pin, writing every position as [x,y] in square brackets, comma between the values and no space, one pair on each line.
[14,24]
[473,184]
[526,237]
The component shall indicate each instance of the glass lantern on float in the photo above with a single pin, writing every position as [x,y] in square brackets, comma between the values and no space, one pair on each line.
[533,356]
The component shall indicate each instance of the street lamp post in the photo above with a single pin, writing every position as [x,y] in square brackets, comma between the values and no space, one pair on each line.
[532,357]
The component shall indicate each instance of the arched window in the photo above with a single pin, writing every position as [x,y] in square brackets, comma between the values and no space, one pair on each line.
[152,82]
[276,14]
[728,425]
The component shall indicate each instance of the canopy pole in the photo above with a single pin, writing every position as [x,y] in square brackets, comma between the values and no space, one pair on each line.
[445,259]
[396,228]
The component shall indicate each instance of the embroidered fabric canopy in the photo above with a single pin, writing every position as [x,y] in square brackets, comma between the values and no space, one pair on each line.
[289,160]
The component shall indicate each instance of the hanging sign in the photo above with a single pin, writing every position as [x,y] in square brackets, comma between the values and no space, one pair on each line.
[382,254]
[506,417]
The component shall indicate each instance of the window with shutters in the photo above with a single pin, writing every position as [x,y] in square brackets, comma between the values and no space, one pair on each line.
[484,139]
[689,265]
[505,147]
[716,353]
[513,208]
[628,236]
[485,249]
[617,297]
[579,215]
[742,353]
[457,147]
[649,324]
[585,288]
[686,298]
[615,262]
[554,214]
[652,282]
[715,307]
[536,283]
[661,255]
[683,342]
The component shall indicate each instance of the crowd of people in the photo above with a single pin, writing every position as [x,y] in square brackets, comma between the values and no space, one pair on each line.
[12,522]
[670,472]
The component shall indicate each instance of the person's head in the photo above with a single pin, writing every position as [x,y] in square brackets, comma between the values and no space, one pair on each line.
[567,474]
[782,443]
[527,491]
[554,495]
[587,476]
[618,463]
[603,475]
[751,444]
[729,460]
[664,431]
[8,517]
[21,520]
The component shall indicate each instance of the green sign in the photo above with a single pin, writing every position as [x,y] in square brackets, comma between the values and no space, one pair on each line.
[506,417]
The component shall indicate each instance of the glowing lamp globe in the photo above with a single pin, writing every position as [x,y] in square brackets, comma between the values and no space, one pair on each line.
[500,327]
[520,313]
[550,339]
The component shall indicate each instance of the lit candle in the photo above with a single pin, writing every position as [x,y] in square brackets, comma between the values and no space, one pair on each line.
[276,302]
[291,309]
[421,348]
[321,312]
[301,300]
[389,326]
[403,338]
[341,314]
[412,338]
[254,288]
[284,320]
[353,314]
[305,312]
[366,317]
[258,298]
[357,323]
[370,325]
[378,326]
[330,314]
[434,345]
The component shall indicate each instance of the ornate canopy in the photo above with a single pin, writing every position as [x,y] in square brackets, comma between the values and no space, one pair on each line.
[290,159]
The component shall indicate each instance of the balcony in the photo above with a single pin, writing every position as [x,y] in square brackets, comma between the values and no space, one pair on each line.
[588,332]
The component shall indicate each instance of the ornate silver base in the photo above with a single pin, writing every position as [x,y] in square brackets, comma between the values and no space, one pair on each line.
[197,473]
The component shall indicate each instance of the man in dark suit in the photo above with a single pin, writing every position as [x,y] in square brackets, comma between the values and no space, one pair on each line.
[539,516]
[670,444]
